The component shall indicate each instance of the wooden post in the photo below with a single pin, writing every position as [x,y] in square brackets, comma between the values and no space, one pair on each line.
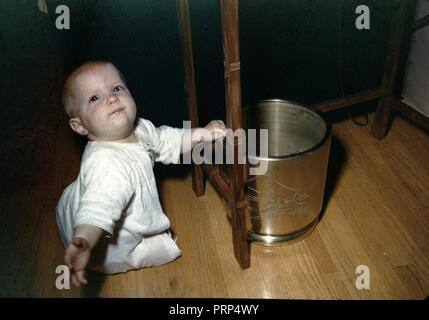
[230,37]
[349,100]
[198,183]
[382,119]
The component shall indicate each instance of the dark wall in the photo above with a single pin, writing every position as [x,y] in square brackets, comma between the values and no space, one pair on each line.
[141,38]
[298,50]
[306,51]
[30,62]
[30,82]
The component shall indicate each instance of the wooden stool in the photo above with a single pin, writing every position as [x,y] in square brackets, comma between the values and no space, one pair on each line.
[231,187]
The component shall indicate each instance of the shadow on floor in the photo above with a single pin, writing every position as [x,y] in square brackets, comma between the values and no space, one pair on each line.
[172,171]
[95,283]
[337,159]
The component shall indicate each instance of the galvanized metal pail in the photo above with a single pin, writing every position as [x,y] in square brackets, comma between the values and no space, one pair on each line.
[285,202]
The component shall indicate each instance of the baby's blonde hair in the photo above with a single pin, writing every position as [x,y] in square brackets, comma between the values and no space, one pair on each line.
[67,96]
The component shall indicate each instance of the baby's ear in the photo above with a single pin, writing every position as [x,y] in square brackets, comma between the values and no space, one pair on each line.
[77,126]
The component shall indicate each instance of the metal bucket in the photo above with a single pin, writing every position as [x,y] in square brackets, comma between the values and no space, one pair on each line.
[285,202]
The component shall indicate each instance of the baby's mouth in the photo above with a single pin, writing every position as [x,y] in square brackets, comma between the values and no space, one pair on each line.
[116,111]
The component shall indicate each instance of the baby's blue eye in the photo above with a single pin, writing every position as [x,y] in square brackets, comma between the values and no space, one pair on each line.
[93,99]
[117,88]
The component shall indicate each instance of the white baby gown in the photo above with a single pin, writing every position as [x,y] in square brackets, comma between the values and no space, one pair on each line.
[116,191]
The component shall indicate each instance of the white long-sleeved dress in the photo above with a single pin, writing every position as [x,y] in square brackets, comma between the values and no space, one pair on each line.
[116,191]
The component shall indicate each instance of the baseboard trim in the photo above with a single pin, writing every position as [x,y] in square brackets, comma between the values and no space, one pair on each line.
[407,112]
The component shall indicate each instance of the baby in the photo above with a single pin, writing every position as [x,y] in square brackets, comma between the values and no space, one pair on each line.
[110,218]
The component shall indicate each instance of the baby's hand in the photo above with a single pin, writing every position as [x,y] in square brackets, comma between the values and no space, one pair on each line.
[76,258]
[214,130]
[217,129]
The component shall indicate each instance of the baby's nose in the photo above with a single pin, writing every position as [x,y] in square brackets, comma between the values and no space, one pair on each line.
[112,99]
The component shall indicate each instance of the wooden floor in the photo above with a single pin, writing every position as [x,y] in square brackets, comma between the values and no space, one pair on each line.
[377,214]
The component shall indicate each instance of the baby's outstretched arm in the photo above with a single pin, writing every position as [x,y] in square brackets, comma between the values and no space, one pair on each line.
[214,130]
[78,251]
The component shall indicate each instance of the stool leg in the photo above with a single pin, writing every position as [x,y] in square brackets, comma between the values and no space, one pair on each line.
[238,213]
[402,17]
[231,50]
[382,119]
[198,181]
[239,237]
[190,88]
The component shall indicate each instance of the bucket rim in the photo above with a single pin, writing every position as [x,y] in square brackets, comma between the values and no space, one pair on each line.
[308,151]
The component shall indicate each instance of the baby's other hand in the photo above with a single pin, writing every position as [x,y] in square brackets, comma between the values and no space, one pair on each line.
[217,129]
[76,258]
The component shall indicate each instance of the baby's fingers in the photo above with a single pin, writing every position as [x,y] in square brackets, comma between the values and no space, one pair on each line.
[214,124]
[221,124]
[68,259]
[75,280]
[219,130]
[219,134]
[78,278]
[81,276]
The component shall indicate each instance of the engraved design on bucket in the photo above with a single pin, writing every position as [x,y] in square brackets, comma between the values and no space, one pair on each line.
[276,204]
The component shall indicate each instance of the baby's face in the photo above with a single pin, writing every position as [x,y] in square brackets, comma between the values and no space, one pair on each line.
[106,108]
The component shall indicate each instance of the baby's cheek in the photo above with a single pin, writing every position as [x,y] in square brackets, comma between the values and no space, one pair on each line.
[98,113]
